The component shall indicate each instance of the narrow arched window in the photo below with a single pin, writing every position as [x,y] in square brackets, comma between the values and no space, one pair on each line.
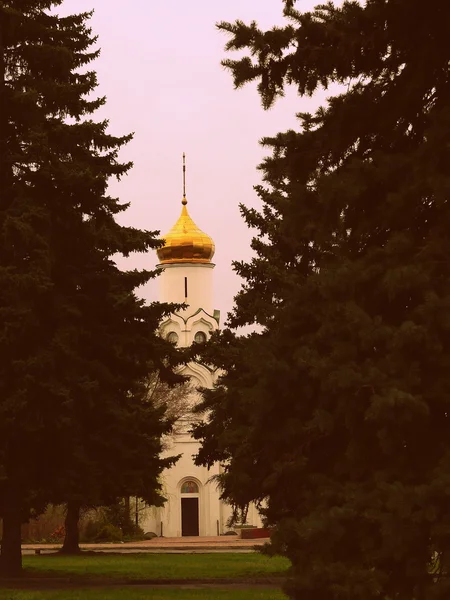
[172,337]
[200,337]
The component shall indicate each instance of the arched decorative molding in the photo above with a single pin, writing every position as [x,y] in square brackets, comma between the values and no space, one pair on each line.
[175,318]
[199,372]
[190,478]
[215,316]
[173,322]
[202,321]
[189,487]
[202,317]
[178,316]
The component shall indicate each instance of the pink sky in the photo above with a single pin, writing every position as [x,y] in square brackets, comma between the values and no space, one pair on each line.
[160,71]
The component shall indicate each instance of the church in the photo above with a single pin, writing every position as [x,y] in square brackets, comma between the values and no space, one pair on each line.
[193,506]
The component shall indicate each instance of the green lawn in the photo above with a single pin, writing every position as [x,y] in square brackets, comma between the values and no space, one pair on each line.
[157,566]
[142,594]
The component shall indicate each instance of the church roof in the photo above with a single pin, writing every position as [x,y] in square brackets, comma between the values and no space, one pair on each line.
[185,242]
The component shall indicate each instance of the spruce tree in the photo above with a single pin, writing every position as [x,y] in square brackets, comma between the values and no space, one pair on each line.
[335,417]
[153,413]
[75,340]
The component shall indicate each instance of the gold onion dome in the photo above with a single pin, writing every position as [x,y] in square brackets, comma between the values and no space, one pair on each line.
[185,242]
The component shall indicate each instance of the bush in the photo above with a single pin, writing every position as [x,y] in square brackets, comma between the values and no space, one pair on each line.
[90,531]
[111,524]
[109,533]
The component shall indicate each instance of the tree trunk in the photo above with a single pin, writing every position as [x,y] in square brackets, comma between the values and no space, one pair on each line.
[71,537]
[127,507]
[3,115]
[11,552]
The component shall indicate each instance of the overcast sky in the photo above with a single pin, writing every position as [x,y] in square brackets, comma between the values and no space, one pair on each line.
[160,71]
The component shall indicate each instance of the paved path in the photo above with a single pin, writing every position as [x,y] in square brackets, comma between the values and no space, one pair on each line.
[68,584]
[159,545]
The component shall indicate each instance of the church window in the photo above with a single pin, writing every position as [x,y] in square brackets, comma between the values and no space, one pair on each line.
[189,487]
[200,337]
[172,337]
[185,288]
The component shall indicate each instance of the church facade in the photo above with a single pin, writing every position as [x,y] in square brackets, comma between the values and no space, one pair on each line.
[193,506]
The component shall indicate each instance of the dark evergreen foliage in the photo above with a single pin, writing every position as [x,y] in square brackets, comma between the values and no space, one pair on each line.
[336,416]
[75,340]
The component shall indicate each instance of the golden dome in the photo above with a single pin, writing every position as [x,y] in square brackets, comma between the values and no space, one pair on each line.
[185,242]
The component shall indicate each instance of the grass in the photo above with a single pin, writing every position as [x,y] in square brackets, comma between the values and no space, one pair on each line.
[142,594]
[157,566]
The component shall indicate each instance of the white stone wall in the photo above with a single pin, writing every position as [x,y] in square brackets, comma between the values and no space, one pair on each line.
[168,518]
[209,506]
[199,316]
[186,328]
[199,286]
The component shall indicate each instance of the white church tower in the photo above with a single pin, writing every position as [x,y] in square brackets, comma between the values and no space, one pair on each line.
[193,506]
[187,278]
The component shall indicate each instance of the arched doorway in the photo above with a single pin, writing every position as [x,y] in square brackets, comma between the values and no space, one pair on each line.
[190,522]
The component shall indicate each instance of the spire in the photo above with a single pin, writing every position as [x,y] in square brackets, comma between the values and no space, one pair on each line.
[184,201]
[185,242]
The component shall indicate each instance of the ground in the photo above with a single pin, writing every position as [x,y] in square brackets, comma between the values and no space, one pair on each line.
[144,594]
[156,567]
[164,575]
